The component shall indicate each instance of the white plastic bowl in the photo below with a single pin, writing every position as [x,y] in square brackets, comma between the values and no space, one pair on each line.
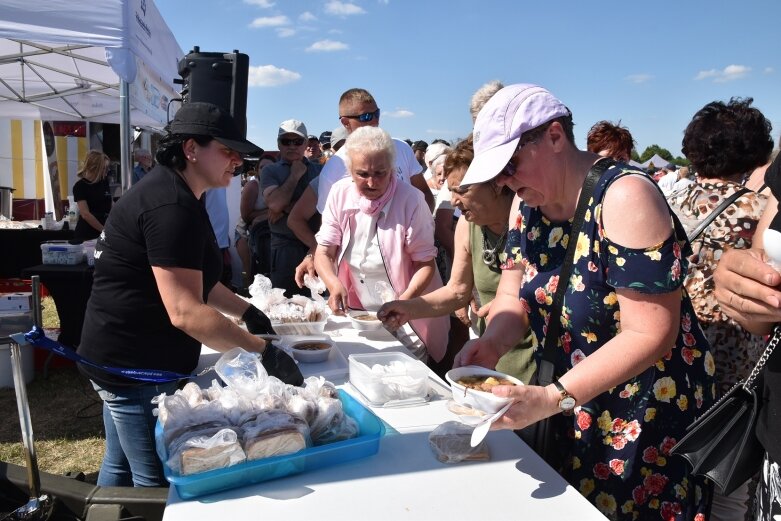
[364,325]
[312,356]
[480,400]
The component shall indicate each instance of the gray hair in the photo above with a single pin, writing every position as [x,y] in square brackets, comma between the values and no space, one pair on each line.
[368,140]
[141,152]
[435,154]
[482,95]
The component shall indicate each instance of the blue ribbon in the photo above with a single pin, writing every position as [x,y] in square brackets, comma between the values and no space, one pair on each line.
[37,338]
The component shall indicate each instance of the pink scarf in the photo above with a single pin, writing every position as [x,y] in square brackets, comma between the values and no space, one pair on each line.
[371,207]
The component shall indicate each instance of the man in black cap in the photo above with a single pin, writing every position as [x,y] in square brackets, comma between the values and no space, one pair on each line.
[420,147]
[313,151]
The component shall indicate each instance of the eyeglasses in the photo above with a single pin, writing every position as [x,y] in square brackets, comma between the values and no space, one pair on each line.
[365,117]
[291,141]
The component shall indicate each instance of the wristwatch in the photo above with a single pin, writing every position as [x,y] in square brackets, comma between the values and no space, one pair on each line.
[567,402]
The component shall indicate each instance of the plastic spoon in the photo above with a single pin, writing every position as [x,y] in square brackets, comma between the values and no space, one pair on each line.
[482,428]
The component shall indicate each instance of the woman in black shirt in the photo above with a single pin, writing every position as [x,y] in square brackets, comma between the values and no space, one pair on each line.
[749,290]
[156,295]
[93,196]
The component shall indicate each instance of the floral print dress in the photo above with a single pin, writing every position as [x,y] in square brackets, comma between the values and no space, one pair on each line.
[615,448]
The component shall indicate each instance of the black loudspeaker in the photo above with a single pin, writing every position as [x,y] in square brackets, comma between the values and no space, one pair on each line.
[217,78]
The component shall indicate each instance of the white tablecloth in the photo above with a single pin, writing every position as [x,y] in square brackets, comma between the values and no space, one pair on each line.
[403,480]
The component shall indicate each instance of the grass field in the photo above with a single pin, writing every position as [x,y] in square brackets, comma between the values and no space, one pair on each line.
[66,418]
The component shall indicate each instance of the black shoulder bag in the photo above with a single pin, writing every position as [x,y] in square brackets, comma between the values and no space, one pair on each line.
[722,444]
[539,434]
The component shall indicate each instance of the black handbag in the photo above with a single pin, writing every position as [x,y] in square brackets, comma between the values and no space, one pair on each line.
[539,435]
[721,444]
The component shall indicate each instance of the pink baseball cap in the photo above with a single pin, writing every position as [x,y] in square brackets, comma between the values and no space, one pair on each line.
[502,121]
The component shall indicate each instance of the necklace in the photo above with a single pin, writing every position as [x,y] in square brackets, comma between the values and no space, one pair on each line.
[490,253]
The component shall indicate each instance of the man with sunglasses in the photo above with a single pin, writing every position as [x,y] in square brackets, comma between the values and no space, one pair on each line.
[357,108]
[282,184]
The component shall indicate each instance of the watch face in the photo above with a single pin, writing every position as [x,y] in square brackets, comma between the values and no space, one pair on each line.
[567,403]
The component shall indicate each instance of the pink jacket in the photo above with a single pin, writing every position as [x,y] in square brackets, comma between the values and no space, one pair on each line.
[405,230]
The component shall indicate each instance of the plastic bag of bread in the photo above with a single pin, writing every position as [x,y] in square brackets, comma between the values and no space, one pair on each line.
[281,310]
[450,443]
[273,433]
[331,423]
[202,450]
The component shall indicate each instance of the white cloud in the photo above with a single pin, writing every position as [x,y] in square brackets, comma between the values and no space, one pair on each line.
[400,113]
[769,70]
[265,4]
[338,8]
[271,76]
[435,132]
[285,32]
[327,46]
[306,16]
[638,78]
[729,73]
[270,21]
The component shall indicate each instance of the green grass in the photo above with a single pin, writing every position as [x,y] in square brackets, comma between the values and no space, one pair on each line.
[66,418]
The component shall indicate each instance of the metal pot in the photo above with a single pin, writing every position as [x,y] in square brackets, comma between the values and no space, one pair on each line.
[6,201]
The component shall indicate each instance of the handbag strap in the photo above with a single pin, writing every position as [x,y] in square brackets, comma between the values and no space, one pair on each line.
[545,371]
[771,346]
[715,213]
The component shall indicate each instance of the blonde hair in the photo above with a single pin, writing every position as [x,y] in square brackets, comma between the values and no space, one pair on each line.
[94,168]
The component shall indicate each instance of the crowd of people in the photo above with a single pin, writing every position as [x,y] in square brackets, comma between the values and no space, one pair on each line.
[460,248]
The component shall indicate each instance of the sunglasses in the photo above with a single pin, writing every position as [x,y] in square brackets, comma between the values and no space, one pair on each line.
[291,141]
[509,169]
[365,117]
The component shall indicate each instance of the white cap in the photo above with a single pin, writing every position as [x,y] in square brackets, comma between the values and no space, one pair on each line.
[292,126]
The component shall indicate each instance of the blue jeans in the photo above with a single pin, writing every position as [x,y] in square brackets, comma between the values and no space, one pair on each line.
[130,458]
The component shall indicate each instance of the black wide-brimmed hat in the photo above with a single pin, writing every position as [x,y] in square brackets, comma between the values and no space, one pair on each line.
[199,118]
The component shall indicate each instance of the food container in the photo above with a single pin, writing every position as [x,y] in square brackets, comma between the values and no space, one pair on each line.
[62,252]
[480,400]
[389,379]
[367,443]
[313,350]
[299,328]
[360,322]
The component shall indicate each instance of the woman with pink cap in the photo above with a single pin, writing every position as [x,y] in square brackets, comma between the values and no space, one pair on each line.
[631,366]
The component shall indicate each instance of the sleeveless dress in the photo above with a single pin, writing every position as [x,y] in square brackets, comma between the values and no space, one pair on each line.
[519,361]
[615,448]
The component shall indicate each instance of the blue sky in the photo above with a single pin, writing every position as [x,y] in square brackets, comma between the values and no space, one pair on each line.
[650,64]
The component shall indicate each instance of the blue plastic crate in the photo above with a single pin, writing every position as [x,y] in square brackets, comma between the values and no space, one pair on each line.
[367,443]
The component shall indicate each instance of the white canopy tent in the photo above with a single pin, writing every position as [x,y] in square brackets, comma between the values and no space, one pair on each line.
[108,61]
[658,162]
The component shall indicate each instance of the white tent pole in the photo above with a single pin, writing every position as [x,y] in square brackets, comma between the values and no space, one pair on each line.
[125,133]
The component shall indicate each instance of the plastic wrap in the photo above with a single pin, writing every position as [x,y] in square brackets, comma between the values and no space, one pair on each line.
[256,417]
[331,423]
[281,310]
[204,450]
[241,370]
[450,443]
[274,433]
